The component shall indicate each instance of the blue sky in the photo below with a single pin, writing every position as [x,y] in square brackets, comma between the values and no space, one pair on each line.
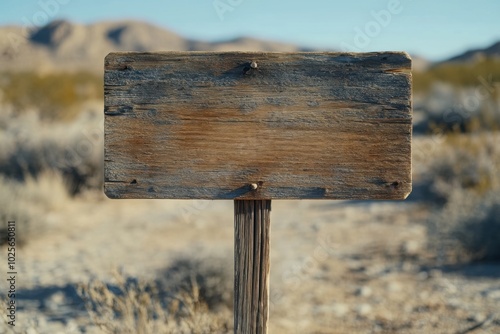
[430,28]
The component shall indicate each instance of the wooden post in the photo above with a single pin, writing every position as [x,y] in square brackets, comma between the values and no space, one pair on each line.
[251,265]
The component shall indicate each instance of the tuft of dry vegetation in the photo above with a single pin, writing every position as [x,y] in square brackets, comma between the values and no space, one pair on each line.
[466,181]
[459,97]
[212,279]
[469,227]
[135,306]
[43,163]
[467,162]
[29,202]
[30,145]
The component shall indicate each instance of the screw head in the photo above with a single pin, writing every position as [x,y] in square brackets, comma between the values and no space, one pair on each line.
[253,64]
[254,186]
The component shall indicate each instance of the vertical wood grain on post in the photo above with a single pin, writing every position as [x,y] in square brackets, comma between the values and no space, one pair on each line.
[251,265]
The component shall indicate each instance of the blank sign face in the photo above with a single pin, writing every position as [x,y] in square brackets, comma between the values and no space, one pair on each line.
[258,125]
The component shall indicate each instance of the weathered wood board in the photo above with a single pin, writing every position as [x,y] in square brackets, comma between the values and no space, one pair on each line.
[299,125]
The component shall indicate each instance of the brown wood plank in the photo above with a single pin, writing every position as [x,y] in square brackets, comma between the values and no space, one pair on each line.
[252,225]
[300,125]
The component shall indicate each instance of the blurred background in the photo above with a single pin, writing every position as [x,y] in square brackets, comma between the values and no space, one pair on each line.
[87,264]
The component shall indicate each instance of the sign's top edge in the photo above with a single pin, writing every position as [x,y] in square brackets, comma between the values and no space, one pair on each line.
[336,53]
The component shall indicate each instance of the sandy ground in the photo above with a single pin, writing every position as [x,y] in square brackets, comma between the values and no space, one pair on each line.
[337,267]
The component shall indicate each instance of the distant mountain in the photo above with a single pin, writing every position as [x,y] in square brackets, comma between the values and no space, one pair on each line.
[477,54]
[63,45]
[67,46]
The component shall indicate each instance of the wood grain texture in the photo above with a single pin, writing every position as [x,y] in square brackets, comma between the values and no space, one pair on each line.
[251,265]
[300,125]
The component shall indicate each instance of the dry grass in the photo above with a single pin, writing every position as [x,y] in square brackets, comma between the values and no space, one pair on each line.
[458,97]
[134,306]
[468,162]
[212,278]
[466,180]
[30,202]
[469,227]
[30,145]
[42,163]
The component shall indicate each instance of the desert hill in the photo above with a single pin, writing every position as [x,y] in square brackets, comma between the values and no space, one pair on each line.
[67,46]
[64,45]
[473,55]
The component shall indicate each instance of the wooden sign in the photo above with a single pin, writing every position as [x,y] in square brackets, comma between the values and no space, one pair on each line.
[254,127]
[258,125]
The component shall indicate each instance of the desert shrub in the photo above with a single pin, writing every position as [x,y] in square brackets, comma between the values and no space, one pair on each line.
[55,95]
[135,306]
[28,202]
[30,146]
[466,183]
[466,162]
[468,227]
[213,279]
[447,109]
[459,97]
